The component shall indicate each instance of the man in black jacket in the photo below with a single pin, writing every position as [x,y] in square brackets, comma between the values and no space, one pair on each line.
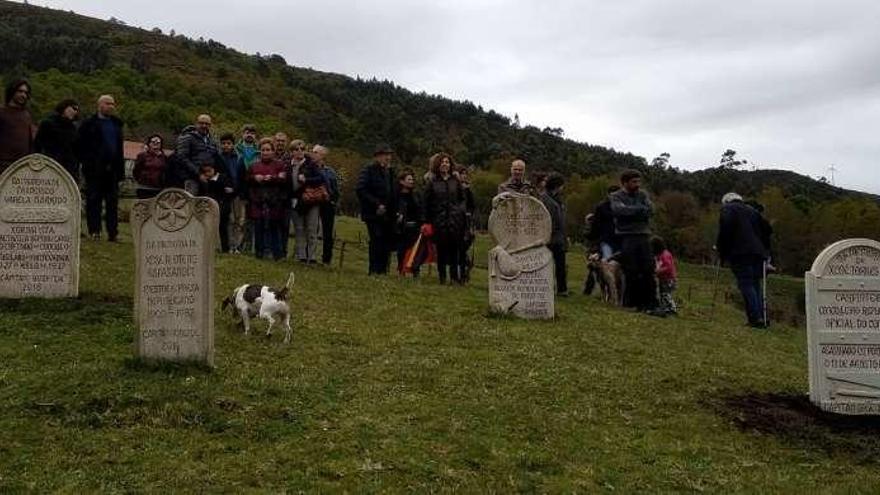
[99,149]
[552,199]
[375,192]
[740,244]
[601,228]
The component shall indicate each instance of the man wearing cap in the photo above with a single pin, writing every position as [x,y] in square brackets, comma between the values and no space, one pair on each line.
[375,192]
[740,245]
[517,182]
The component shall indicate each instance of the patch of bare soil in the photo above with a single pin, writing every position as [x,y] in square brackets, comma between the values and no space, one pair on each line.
[794,420]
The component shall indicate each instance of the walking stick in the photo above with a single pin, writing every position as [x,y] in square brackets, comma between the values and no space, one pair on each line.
[715,278]
[764,291]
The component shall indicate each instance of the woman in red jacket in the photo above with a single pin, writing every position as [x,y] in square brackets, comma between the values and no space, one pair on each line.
[268,194]
[149,168]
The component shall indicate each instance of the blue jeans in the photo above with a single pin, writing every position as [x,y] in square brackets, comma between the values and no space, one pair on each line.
[749,273]
[606,251]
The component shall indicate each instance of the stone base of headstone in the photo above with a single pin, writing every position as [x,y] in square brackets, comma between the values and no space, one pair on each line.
[174,236]
[522,284]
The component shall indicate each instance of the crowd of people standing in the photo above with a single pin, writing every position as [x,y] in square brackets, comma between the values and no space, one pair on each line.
[401,216]
[265,185]
[262,186]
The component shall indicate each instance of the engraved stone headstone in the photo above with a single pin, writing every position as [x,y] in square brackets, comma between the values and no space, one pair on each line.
[521,275]
[174,236]
[843,327]
[39,230]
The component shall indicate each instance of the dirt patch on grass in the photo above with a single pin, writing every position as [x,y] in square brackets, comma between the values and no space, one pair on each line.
[795,420]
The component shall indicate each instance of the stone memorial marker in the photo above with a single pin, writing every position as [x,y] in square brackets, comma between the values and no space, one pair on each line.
[521,275]
[174,236]
[39,230]
[843,327]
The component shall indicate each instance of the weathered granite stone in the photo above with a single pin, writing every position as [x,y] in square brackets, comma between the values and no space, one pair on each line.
[521,274]
[39,230]
[519,221]
[174,235]
[843,327]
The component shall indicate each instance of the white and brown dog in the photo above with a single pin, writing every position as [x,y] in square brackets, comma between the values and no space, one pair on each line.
[251,300]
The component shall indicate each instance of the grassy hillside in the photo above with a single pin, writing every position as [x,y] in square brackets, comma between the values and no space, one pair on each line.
[398,385]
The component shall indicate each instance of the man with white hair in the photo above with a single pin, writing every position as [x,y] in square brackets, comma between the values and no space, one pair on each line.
[517,182]
[328,208]
[740,244]
[100,151]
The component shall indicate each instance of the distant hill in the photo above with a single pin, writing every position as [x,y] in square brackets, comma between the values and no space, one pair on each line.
[708,185]
[163,81]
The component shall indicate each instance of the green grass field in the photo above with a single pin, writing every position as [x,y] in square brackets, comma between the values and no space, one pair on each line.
[395,385]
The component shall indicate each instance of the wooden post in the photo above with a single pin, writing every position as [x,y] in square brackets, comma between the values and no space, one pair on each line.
[342,255]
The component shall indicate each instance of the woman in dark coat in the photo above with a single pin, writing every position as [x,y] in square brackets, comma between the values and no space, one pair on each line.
[57,135]
[445,211]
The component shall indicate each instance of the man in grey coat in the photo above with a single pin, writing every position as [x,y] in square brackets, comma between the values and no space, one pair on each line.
[632,211]
[195,147]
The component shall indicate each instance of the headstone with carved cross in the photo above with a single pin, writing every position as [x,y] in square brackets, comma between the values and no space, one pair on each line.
[174,235]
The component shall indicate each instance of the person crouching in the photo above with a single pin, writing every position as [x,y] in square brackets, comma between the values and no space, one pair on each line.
[666,275]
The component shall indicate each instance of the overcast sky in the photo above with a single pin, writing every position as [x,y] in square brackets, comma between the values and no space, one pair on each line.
[787,84]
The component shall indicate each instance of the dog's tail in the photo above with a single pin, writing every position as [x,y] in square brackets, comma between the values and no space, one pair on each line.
[282,294]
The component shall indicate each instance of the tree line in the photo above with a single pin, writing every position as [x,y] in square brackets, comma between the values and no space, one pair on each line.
[163,81]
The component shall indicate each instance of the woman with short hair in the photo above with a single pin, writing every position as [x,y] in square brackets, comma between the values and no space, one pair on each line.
[267,189]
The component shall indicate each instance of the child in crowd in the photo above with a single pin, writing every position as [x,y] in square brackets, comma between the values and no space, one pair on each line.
[218,187]
[409,220]
[666,275]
